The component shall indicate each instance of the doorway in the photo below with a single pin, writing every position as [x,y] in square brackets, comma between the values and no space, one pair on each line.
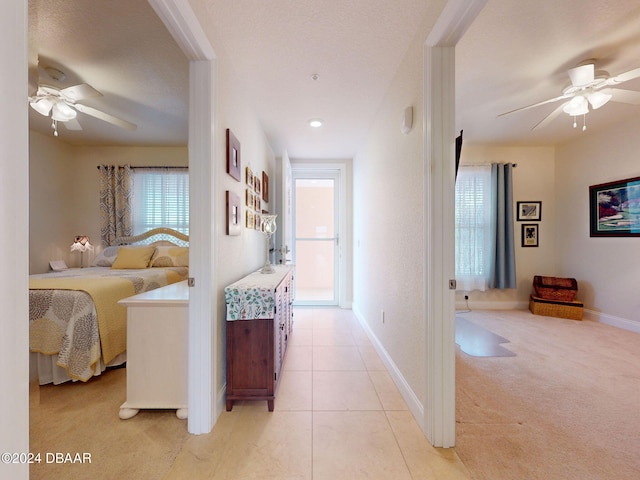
[316,228]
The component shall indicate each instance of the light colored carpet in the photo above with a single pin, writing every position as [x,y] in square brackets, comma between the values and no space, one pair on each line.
[566,407]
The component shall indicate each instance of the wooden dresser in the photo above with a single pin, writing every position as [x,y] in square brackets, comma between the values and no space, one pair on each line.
[259,323]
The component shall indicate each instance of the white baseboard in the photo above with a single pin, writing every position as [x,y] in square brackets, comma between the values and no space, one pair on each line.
[409,396]
[600,317]
[623,323]
[489,305]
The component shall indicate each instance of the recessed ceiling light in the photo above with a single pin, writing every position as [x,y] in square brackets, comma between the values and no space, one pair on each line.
[315,122]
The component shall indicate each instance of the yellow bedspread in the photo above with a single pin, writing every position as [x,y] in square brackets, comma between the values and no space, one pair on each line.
[105,292]
[64,320]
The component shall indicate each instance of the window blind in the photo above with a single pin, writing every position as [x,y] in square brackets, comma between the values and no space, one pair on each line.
[473,227]
[160,199]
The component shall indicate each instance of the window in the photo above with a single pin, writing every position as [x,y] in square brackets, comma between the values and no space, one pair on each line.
[160,199]
[473,227]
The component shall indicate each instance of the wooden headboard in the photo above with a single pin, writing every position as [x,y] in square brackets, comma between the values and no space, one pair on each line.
[156,236]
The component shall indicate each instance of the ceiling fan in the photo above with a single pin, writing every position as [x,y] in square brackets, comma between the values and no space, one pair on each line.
[62,105]
[588,87]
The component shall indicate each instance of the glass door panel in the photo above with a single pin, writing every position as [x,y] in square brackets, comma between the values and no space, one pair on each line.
[315,241]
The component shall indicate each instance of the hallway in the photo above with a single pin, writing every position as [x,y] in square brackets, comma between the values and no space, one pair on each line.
[337,415]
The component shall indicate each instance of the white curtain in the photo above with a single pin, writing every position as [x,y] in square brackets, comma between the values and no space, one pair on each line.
[473,227]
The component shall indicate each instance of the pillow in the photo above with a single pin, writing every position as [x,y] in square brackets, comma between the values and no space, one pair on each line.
[133,257]
[106,257]
[170,256]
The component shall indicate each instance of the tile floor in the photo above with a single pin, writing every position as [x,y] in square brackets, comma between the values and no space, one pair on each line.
[338,415]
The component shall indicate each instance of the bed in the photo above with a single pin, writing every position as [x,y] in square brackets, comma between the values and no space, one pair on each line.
[76,326]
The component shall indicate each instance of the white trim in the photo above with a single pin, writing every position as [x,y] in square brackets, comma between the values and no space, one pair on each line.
[204,403]
[409,396]
[438,422]
[14,218]
[612,320]
[439,418]
[454,20]
[185,28]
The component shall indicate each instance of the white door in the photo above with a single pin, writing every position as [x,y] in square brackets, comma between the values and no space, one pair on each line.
[316,232]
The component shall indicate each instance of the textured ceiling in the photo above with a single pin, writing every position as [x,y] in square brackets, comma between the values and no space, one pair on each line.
[122,49]
[515,54]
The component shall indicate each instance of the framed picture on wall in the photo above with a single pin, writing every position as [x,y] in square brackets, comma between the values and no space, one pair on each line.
[529,234]
[233,214]
[529,211]
[614,209]
[265,187]
[233,156]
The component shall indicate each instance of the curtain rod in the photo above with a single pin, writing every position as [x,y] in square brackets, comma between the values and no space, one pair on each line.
[150,166]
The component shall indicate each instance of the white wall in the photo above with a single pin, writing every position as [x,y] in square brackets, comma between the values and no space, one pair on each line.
[236,256]
[607,268]
[533,180]
[52,202]
[388,238]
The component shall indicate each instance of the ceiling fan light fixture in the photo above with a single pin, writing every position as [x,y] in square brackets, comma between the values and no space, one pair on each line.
[42,106]
[578,105]
[598,99]
[63,112]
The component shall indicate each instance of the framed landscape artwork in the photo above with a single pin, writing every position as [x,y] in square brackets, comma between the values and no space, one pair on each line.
[614,209]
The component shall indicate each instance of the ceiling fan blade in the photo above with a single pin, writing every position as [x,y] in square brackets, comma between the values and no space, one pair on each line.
[624,96]
[72,124]
[105,116]
[79,92]
[624,77]
[551,100]
[582,75]
[552,116]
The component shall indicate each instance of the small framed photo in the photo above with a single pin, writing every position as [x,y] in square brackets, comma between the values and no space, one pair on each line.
[249,177]
[529,211]
[233,214]
[233,156]
[265,187]
[529,234]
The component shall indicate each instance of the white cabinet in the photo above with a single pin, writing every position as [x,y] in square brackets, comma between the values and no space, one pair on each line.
[157,328]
